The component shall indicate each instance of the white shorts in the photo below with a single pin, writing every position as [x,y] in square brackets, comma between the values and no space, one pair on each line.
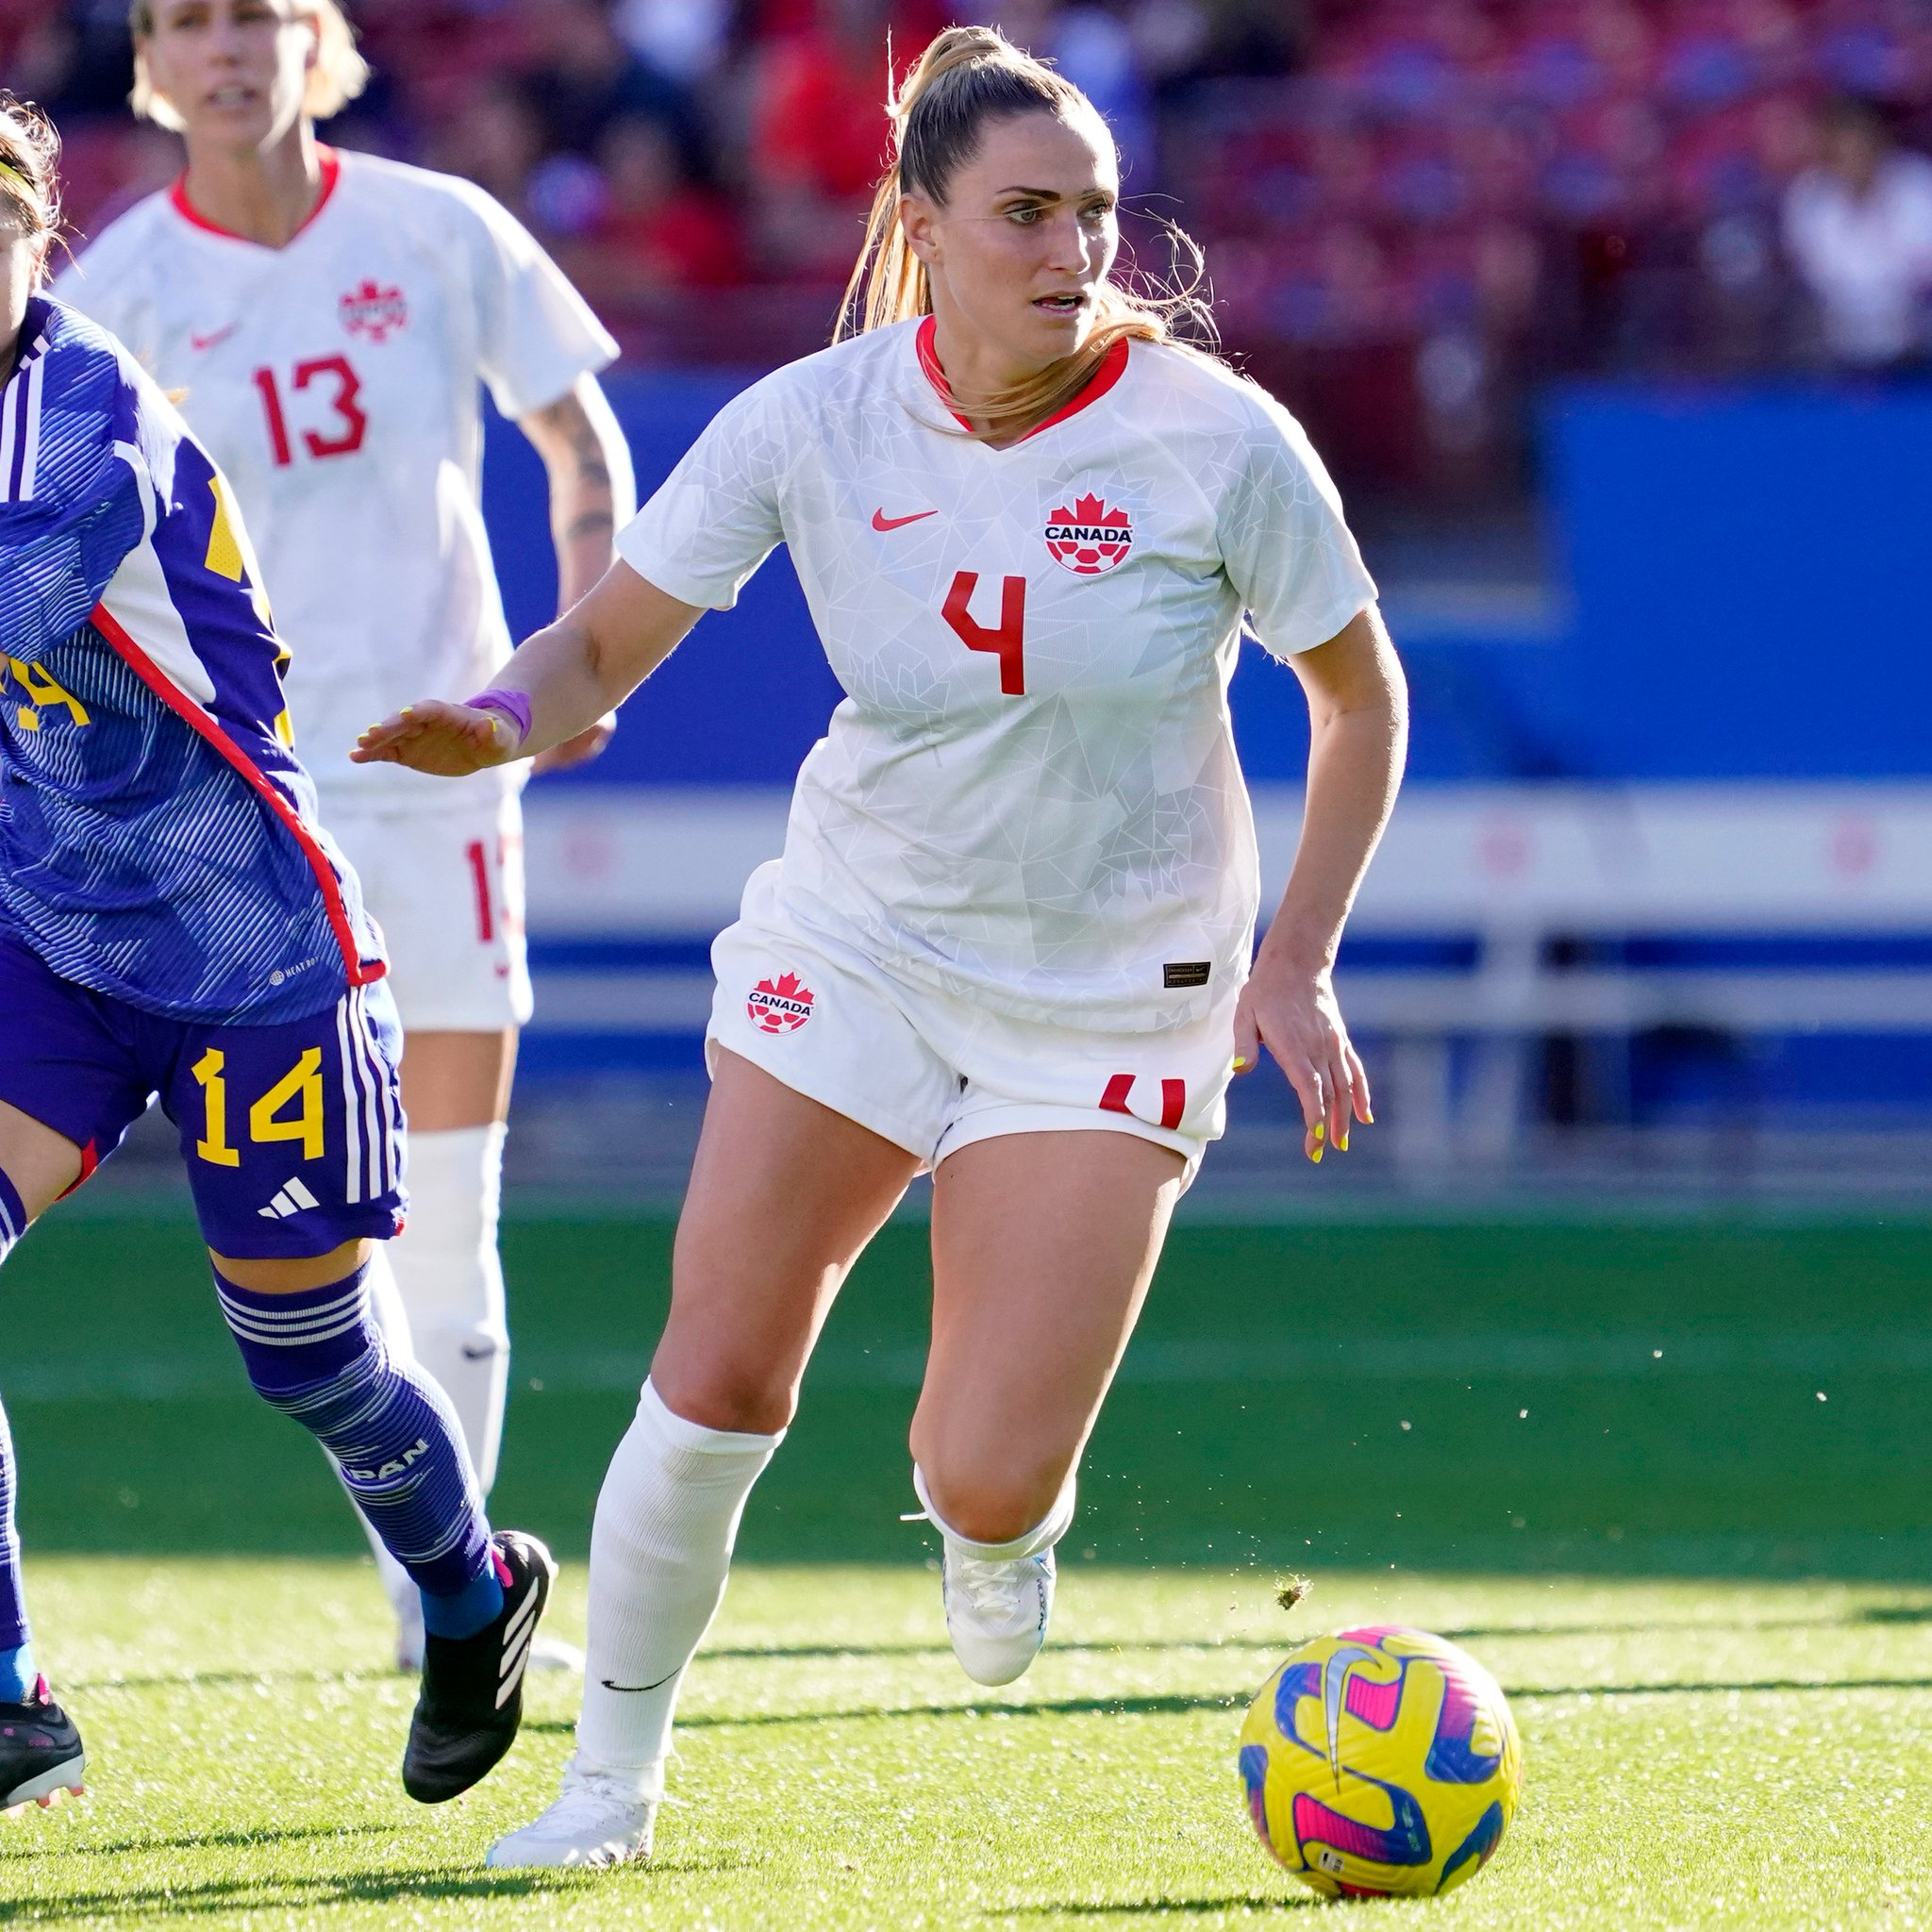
[447,888]
[932,1072]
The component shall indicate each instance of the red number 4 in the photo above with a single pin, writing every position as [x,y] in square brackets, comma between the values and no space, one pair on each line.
[1009,642]
[347,440]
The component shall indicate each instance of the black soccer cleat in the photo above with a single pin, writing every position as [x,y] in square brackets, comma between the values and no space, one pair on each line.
[40,1754]
[472,1699]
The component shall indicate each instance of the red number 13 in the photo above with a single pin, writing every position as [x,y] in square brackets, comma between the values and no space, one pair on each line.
[1009,642]
[347,440]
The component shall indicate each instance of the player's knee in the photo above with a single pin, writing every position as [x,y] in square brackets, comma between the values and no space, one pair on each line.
[733,1397]
[993,1497]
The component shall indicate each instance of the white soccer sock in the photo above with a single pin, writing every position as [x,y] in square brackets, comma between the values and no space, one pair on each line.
[393,1325]
[1043,1536]
[451,1278]
[667,1517]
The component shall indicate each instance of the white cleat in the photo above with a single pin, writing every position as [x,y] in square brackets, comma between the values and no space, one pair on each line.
[596,1820]
[556,1654]
[997,1613]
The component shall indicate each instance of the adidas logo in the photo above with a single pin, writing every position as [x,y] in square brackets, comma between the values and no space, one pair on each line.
[291,1199]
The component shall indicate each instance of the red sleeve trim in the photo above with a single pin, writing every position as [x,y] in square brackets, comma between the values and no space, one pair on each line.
[1113,365]
[204,726]
[331,164]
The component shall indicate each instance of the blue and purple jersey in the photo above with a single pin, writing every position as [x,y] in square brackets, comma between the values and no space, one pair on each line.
[157,835]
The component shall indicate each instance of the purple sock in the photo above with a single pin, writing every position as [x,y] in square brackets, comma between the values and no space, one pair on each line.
[316,1355]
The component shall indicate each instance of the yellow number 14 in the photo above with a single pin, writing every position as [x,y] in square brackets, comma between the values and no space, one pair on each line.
[301,1087]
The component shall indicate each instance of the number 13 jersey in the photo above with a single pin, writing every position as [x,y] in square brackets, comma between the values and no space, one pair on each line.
[335,381]
[1030,793]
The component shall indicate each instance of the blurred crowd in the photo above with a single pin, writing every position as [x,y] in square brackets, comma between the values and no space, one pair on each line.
[1413,211]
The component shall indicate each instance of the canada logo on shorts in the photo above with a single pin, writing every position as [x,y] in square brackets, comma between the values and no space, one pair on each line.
[1090,539]
[781,1005]
[372,310]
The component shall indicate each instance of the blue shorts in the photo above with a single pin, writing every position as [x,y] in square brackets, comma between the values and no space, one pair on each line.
[292,1133]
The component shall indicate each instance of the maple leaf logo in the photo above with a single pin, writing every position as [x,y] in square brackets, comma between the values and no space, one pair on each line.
[781,1005]
[372,310]
[1089,538]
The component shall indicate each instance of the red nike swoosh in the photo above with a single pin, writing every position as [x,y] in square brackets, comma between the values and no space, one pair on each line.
[880,520]
[208,341]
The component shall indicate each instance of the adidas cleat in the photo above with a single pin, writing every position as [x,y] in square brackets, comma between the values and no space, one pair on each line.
[40,1754]
[472,1699]
[997,1613]
[596,1821]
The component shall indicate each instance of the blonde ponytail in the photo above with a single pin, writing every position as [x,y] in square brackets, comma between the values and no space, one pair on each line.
[968,77]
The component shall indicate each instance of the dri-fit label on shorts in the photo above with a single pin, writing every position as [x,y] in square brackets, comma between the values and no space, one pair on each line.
[781,1005]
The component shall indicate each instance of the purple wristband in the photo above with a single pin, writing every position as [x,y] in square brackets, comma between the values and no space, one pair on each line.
[514,705]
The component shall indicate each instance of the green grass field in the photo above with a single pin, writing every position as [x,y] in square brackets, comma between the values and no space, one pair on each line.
[1669,1483]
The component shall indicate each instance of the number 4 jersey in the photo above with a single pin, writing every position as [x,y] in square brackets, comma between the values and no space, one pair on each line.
[1030,793]
[158,837]
[335,381]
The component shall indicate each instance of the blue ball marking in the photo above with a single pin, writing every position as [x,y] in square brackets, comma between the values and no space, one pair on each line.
[1483,1839]
[1296,1682]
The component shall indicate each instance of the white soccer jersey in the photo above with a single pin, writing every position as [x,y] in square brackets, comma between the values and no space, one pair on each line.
[335,381]
[1030,793]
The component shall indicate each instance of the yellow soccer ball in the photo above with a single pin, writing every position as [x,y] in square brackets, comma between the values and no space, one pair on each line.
[1381,1762]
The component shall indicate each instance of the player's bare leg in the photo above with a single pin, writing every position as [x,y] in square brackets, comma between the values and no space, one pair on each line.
[1043,1245]
[443,1303]
[41,1752]
[783,1197]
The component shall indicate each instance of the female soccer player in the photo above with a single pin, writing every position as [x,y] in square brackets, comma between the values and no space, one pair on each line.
[172,920]
[1009,938]
[327,319]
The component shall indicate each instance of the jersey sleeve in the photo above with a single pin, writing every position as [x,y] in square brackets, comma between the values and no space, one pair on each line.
[69,518]
[1284,542]
[538,334]
[717,516]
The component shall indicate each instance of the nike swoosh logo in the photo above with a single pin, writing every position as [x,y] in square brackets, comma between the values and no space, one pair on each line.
[880,520]
[657,1685]
[208,341]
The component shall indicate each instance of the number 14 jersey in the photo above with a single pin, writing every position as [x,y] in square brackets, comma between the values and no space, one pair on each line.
[1030,793]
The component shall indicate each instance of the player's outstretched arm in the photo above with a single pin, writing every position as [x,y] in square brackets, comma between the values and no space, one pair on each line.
[571,671]
[1359,719]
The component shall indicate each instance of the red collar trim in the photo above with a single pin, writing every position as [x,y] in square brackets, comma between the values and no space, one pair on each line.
[1113,367]
[331,172]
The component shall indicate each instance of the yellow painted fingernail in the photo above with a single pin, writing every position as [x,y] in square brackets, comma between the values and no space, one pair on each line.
[1240,1063]
[1316,1156]
[1321,1130]
[1368,1119]
[1341,1141]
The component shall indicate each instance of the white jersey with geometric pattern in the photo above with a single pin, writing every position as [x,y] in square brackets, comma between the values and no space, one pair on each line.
[335,380]
[1030,793]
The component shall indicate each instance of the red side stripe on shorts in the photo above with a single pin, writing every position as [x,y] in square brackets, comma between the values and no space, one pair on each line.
[1173,1099]
[205,726]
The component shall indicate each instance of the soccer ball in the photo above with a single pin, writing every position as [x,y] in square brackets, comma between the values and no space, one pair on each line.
[1381,1762]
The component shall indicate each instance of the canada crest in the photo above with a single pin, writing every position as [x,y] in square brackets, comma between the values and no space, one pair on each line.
[781,1005]
[1089,538]
[372,310]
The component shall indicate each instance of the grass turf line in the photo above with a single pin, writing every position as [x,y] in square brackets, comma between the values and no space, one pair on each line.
[1738,1756]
